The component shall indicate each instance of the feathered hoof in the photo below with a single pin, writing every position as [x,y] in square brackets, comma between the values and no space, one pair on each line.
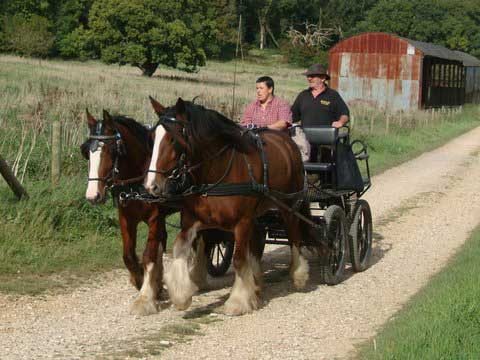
[143,307]
[236,307]
[183,304]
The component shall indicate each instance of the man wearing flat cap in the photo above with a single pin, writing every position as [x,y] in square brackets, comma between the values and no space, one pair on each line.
[319,105]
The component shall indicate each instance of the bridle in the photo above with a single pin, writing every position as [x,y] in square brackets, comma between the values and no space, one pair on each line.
[162,121]
[119,150]
[181,168]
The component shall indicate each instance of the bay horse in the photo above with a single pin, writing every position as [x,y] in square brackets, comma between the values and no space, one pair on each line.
[119,150]
[213,149]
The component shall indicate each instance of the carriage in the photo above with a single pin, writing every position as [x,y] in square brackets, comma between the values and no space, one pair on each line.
[227,188]
[339,216]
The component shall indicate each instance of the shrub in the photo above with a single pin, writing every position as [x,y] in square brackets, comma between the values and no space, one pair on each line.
[28,36]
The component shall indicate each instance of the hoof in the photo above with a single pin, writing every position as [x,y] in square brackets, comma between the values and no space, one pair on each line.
[301,274]
[180,306]
[143,307]
[234,307]
[300,280]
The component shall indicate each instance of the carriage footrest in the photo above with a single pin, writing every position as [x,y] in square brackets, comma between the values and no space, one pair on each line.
[312,167]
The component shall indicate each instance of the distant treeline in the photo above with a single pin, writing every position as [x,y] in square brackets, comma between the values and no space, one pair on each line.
[184,33]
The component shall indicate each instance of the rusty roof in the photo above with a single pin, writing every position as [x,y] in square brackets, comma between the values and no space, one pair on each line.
[434,50]
[468,60]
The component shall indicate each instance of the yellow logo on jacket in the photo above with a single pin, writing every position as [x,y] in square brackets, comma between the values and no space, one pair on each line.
[324,102]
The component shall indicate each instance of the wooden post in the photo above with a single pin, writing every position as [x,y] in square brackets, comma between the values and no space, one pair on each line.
[56,151]
[12,181]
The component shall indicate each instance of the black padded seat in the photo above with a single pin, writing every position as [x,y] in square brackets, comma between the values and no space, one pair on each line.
[324,135]
[312,167]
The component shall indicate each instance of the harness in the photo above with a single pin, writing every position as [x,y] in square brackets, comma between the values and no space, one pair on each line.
[118,188]
[181,172]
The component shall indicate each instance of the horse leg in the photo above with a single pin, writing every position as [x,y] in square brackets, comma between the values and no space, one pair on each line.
[198,272]
[179,284]
[129,238]
[244,297]
[299,265]
[146,302]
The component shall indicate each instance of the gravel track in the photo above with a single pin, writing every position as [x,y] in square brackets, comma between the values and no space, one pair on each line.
[423,212]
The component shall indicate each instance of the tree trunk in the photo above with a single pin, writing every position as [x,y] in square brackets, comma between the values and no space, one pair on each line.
[261,21]
[148,68]
[12,180]
[271,36]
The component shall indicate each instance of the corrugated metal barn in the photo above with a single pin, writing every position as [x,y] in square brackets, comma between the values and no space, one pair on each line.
[394,73]
[472,79]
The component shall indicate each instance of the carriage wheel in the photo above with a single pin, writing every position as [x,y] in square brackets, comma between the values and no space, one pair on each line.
[361,232]
[333,264]
[219,255]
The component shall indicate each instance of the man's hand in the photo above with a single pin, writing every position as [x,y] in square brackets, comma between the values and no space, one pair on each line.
[340,122]
[279,125]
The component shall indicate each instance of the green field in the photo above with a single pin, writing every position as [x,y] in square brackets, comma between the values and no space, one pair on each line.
[442,321]
[56,231]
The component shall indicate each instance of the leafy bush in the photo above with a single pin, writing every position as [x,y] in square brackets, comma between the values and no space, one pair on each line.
[302,55]
[28,36]
[78,44]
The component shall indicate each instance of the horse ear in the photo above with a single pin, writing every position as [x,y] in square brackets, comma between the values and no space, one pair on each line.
[107,118]
[90,119]
[159,108]
[180,107]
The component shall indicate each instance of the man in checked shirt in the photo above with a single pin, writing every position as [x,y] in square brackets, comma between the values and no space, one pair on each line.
[268,110]
[272,112]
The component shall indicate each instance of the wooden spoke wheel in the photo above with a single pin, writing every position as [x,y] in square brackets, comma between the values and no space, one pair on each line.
[361,231]
[333,265]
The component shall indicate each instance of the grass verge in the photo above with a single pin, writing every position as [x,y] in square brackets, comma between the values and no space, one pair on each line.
[442,321]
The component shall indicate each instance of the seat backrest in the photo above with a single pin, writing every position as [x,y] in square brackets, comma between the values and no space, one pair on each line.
[326,135]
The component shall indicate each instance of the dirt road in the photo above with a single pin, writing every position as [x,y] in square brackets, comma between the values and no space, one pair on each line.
[423,212]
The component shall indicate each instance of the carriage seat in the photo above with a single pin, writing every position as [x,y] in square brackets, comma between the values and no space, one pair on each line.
[325,136]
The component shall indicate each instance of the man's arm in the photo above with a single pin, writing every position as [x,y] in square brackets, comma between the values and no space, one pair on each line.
[279,125]
[340,122]
[342,111]
[247,115]
[284,117]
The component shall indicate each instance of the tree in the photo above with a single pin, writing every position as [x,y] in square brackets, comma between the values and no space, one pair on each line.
[454,24]
[29,37]
[146,33]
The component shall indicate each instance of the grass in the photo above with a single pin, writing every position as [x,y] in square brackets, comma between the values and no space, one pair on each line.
[442,321]
[56,231]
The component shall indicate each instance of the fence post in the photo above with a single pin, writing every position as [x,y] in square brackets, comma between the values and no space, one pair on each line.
[11,180]
[56,152]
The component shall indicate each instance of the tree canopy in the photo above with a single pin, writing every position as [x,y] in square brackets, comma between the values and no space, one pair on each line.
[183,34]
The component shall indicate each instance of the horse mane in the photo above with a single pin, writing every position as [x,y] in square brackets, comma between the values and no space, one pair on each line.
[137,129]
[207,125]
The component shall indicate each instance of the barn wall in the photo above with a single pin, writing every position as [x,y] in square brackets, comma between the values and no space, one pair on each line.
[377,69]
[472,85]
[389,81]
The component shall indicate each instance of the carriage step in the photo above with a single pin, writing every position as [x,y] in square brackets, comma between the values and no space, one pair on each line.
[312,167]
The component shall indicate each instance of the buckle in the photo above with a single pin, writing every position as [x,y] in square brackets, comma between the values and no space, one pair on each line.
[251,126]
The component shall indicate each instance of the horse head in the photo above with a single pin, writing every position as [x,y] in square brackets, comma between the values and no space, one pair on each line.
[103,148]
[170,146]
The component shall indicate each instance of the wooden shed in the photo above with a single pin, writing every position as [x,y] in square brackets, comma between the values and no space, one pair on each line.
[472,77]
[394,73]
